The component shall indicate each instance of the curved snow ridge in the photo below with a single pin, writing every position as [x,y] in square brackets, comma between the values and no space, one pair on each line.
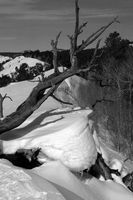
[74,146]
[10,66]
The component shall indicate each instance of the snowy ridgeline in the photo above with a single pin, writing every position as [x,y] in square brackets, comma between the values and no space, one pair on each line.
[10,64]
[67,144]
[4,59]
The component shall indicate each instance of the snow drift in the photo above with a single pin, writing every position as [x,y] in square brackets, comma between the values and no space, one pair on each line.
[67,138]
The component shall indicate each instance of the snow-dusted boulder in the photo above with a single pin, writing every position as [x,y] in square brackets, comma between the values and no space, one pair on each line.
[79,91]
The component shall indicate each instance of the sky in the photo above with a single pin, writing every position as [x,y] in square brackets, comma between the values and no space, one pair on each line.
[32,24]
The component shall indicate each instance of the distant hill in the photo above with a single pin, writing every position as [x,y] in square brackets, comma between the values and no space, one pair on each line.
[47,56]
[11,54]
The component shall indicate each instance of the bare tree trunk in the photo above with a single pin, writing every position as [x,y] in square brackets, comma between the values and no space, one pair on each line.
[119,115]
[74,62]
[1,106]
[55,51]
[130,117]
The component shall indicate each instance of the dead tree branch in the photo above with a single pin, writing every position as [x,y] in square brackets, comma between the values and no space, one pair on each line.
[2,98]
[76,32]
[95,52]
[96,35]
[59,100]
[7,97]
[55,51]
[81,27]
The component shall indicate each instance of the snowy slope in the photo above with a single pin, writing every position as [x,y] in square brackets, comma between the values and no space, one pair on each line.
[93,189]
[19,184]
[55,182]
[19,95]
[10,66]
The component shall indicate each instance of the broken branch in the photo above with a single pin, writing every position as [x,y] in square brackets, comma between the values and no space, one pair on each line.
[55,51]
[95,35]
[59,100]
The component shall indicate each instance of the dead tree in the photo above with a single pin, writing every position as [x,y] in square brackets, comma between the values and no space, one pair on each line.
[74,47]
[48,85]
[2,98]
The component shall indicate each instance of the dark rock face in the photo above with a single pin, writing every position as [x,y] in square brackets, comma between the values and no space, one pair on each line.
[101,168]
[25,158]
[128,181]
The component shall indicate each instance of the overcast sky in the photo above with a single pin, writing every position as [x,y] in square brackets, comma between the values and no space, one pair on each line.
[31,24]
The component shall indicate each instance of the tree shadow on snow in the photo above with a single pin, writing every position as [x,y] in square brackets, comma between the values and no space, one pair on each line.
[35,124]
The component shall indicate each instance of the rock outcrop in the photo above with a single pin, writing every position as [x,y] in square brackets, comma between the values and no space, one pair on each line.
[79,92]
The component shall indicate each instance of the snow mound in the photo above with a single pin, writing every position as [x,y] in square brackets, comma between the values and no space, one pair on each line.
[10,66]
[3,59]
[64,135]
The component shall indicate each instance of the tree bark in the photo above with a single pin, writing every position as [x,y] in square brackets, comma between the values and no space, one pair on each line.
[1,106]
[55,53]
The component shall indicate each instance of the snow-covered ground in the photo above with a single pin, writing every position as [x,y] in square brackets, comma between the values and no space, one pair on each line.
[65,137]
[10,66]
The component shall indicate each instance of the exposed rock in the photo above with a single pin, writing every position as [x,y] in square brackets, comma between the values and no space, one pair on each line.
[80,92]
[128,180]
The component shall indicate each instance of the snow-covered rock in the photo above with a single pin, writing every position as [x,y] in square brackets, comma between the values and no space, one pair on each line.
[10,66]
[67,138]
[118,165]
